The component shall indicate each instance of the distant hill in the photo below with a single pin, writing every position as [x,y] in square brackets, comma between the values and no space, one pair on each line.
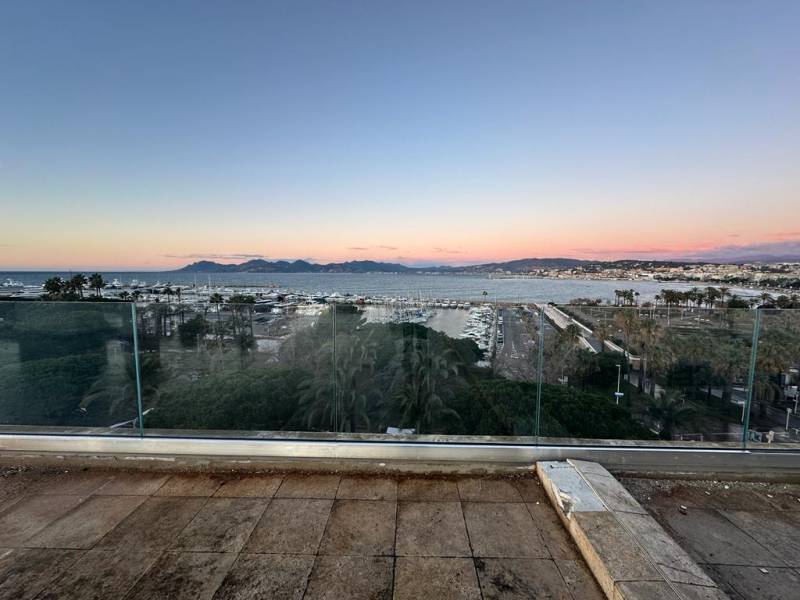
[520,266]
[297,266]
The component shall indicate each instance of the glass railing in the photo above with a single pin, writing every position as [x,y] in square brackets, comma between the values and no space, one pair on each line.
[404,369]
[68,366]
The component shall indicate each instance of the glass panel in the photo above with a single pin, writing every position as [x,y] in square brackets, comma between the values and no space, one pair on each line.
[228,364]
[649,372]
[774,419]
[67,365]
[423,366]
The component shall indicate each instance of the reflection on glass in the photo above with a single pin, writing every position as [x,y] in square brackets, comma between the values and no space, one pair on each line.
[67,365]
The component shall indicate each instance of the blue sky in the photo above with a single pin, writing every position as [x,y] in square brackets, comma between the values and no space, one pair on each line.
[142,133]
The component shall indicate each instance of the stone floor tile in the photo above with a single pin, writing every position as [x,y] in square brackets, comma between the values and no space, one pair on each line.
[439,578]
[291,526]
[222,525]
[24,572]
[673,561]
[367,488]
[308,486]
[32,514]
[101,574]
[183,576]
[556,538]
[350,578]
[133,484]
[431,529]
[267,576]
[520,579]
[503,531]
[250,486]
[487,490]
[711,538]
[531,490]
[428,490]
[80,483]
[360,527]
[752,582]
[89,522]
[191,485]
[644,590]
[579,579]
[776,531]
[155,524]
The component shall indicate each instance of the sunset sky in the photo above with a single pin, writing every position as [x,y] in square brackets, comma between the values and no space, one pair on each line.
[151,134]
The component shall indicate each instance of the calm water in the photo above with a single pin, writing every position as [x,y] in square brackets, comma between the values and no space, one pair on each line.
[455,287]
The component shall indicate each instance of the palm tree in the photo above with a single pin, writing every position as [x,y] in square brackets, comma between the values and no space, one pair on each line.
[97,283]
[421,402]
[602,332]
[670,411]
[77,282]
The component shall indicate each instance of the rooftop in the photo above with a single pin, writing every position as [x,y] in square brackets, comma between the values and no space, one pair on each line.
[135,535]
[745,536]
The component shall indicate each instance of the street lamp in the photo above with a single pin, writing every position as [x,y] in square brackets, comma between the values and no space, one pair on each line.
[618,394]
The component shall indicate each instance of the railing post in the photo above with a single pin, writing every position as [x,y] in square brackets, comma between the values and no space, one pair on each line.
[540,372]
[137,368]
[751,377]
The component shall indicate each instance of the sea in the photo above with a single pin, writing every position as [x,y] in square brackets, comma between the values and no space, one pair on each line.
[399,285]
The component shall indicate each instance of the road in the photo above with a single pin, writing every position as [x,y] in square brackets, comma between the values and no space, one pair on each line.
[516,359]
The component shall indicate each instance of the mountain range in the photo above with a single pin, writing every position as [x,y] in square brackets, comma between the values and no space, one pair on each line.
[523,265]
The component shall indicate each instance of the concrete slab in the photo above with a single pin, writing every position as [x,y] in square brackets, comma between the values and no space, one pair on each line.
[308,486]
[487,490]
[133,484]
[90,521]
[698,592]
[609,550]
[222,525]
[673,561]
[711,538]
[367,488]
[644,590]
[440,578]
[503,530]
[24,572]
[555,536]
[428,490]
[253,486]
[267,576]
[155,524]
[360,527]
[778,532]
[183,576]
[612,493]
[101,574]
[290,526]
[520,579]
[351,578]
[431,529]
[752,582]
[191,485]
[32,514]
[579,579]
[567,489]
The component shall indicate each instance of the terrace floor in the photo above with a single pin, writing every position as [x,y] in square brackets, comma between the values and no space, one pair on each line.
[746,536]
[134,535]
